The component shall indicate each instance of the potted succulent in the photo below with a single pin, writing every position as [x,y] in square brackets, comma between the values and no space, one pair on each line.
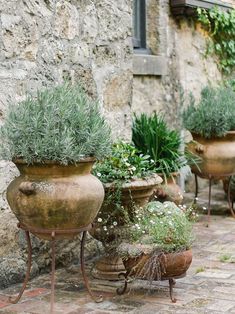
[129,180]
[54,139]
[212,124]
[152,136]
[161,244]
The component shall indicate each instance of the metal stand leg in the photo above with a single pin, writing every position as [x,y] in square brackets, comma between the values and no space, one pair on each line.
[171,284]
[27,275]
[209,202]
[196,189]
[230,203]
[122,290]
[100,298]
[52,272]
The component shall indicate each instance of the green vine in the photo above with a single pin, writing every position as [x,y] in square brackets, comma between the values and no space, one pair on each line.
[221,27]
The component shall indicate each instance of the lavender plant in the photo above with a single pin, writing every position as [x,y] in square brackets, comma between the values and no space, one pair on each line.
[61,124]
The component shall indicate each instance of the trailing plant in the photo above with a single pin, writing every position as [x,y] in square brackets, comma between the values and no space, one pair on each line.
[214,115]
[151,136]
[60,124]
[124,164]
[221,27]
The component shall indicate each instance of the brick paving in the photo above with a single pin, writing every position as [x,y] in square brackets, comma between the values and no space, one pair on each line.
[209,286]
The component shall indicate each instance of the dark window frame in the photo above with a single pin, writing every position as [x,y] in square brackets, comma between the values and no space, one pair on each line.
[139,24]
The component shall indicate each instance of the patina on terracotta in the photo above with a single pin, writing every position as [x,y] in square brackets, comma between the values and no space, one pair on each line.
[168,265]
[51,196]
[217,155]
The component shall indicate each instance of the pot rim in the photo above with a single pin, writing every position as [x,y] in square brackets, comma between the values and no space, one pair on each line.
[153,180]
[232,132]
[21,161]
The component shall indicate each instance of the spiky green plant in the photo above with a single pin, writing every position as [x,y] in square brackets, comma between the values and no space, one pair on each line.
[214,115]
[60,124]
[152,136]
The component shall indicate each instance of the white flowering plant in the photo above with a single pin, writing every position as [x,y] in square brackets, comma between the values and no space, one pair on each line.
[163,225]
[124,164]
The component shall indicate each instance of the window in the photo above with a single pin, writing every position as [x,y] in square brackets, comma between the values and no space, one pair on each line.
[139,24]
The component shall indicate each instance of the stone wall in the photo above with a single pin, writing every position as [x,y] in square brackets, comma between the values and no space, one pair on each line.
[182,44]
[43,42]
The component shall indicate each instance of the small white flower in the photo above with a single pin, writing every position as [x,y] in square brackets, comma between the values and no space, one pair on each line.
[161,222]
[98,174]
[204,208]
[114,223]
[143,231]
[105,228]
[138,227]
[99,219]
[196,198]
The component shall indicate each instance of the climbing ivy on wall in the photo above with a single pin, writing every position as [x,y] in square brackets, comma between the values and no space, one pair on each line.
[221,27]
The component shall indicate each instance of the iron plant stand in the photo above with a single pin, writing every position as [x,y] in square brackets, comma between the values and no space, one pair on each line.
[53,234]
[128,279]
[210,178]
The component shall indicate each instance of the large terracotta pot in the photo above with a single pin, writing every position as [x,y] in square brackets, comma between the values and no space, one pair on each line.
[52,196]
[168,265]
[217,155]
[169,190]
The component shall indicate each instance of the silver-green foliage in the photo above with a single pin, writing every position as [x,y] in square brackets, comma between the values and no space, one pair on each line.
[60,124]
[163,225]
[215,113]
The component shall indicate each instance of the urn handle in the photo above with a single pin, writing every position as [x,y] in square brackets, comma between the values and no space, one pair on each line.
[27,188]
[199,148]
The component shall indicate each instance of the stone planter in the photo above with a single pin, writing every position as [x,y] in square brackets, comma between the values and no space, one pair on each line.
[52,196]
[217,155]
[134,193]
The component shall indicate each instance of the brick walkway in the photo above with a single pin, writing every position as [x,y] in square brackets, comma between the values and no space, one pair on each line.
[208,288]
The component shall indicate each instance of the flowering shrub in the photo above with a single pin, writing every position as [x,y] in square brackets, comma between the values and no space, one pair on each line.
[164,225]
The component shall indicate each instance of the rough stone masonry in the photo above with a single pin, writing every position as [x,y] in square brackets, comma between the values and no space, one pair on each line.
[43,42]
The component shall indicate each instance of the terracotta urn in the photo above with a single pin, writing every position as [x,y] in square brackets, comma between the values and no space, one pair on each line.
[169,190]
[51,196]
[160,266]
[217,155]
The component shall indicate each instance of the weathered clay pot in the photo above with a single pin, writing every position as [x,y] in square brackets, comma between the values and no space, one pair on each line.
[169,190]
[137,193]
[52,196]
[217,154]
[170,265]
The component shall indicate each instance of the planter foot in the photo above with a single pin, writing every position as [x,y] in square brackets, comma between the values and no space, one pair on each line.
[172,282]
[27,275]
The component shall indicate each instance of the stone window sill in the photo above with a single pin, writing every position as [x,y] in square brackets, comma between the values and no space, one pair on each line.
[144,64]
[188,7]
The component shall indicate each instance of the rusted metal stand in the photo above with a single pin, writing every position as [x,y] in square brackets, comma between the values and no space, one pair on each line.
[53,234]
[128,279]
[210,178]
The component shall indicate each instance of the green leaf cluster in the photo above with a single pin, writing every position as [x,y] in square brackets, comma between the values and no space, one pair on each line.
[152,136]
[165,226]
[221,26]
[214,115]
[124,164]
[60,124]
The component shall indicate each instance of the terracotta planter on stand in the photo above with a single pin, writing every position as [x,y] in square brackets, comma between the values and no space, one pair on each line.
[134,193]
[217,160]
[150,265]
[52,196]
[54,201]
